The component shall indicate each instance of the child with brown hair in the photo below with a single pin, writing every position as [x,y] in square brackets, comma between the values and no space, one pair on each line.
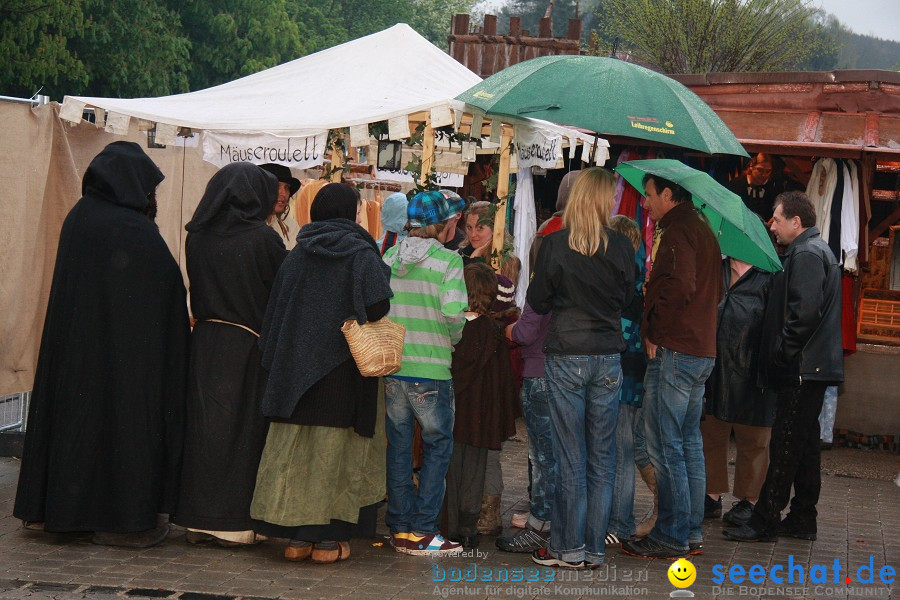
[485,404]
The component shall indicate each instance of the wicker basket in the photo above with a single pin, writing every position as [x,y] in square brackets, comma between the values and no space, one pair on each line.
[377,347]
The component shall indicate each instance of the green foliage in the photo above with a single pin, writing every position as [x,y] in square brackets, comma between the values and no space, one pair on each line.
[138,48]
[432,18]
[233,38]
[35,38]
[701,36]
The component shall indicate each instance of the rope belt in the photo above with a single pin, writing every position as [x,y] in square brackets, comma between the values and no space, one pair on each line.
[244,327]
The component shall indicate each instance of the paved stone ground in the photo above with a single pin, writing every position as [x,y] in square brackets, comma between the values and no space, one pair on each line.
[859,519]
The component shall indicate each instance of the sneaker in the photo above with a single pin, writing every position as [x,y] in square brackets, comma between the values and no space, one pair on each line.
[647,548]
[432,544]
[712,509]
[544,557]
[528,540]
[696,548]
[613,540]
[739,514]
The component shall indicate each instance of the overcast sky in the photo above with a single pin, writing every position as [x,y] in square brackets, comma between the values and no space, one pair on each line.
[880,18]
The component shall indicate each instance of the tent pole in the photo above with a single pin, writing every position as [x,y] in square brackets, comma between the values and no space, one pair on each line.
[502,191]
[336,163]
[427,151]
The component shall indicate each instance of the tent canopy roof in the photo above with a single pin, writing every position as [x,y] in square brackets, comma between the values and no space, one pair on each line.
[386,74]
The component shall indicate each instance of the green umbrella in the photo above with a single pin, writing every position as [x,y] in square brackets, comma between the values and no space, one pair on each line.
[740,232]
[605,95]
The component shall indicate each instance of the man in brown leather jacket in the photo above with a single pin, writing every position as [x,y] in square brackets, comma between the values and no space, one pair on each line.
[679,330]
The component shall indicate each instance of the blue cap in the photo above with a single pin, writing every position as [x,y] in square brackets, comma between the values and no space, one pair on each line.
[428,208]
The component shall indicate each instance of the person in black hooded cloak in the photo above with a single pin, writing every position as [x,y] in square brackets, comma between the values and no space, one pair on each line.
[105,425]
[232,259]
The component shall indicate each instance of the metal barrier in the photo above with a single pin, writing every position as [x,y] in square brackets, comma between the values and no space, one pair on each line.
[14,411]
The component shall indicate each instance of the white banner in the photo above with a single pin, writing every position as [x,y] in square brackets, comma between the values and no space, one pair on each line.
[535,149]
[221,148]
[442,179]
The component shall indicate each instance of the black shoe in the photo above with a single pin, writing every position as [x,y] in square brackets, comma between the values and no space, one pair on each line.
[827,445]
[138,539]
[527,540]
[696,548]
[788,529]
[469,541]
[647,548]
[712,509]
[739,514]
[745,533]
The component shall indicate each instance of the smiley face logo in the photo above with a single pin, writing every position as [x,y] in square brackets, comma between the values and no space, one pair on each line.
[682,573]
[670,124]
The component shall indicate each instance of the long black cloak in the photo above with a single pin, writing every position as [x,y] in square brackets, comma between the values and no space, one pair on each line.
[105,426]
[232,260]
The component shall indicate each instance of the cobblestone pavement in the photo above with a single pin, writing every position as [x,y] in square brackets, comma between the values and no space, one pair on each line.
[859,526]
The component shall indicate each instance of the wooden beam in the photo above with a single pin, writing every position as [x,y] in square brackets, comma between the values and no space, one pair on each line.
[427,151]
[336,163]
[881,227]
[502,191]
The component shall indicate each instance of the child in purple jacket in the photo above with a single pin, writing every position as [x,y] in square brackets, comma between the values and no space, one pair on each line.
[529,332]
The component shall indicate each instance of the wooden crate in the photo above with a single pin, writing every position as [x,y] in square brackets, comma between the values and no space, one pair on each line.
[879,315]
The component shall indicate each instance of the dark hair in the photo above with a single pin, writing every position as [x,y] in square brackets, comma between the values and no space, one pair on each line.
[797,204]
[481,285]
[335,201]
[679,194]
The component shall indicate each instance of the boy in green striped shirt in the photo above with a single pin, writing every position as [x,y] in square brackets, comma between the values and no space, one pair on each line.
[429,300]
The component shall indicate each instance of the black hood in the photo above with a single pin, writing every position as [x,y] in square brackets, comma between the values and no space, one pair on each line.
[334,238]
[237,198]
[122,174]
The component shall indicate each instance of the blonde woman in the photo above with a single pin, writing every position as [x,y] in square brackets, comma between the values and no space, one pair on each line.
[584,274]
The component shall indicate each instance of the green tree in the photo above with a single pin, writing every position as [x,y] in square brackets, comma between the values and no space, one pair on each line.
[35,43]
[701,36]
[133,48]
[432,18]
[233,38]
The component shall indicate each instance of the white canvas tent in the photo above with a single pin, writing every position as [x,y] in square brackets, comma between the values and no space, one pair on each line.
[391,73]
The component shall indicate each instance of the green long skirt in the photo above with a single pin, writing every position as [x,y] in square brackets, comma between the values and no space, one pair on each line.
[313,475]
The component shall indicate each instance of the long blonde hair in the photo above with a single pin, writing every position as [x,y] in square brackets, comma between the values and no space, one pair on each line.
[587,213]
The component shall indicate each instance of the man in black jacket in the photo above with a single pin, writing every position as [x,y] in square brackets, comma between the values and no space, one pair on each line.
[800,356]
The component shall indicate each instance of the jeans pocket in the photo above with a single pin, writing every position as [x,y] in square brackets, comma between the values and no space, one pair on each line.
[689,371]
[612,380]
[422,395]
[568,373]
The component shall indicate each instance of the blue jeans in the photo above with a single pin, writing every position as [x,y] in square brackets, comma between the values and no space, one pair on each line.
[673,402]
[432,404]
[621,517]
[536,406]
[641,458]
[584,404]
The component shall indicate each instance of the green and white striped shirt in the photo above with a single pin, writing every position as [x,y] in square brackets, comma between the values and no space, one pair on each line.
[430,301]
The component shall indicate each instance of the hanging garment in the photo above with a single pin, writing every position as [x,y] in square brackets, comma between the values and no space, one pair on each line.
[820,191]
[848,314]
[621,184]
[524,229]
[837,202]
[850,217]
[630,200]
